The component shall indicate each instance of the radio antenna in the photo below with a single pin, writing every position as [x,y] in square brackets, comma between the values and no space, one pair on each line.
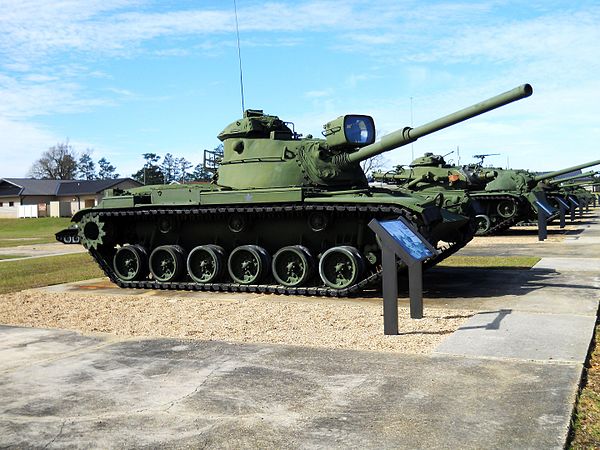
[237,30]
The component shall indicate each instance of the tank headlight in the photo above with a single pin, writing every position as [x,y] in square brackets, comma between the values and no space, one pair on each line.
[352,130]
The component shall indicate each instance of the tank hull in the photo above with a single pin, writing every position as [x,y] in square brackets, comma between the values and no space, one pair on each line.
[230,220]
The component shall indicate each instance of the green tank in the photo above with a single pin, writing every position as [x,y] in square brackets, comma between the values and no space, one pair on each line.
[576,190]
[496,198]
[513,196]
[432,176]
[285,214]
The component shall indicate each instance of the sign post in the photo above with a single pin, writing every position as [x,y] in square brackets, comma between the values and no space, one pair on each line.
[544,212]
[563,206]
[400,239]
[574,205]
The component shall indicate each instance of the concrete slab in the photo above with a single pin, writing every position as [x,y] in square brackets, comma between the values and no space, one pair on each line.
[524,336]
[173,393]
[24,346]
[536,290]
[40,251]
[570,264]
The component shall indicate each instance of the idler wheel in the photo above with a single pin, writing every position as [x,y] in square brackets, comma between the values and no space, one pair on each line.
[131,263]
[248,264]
[341,267]
[483,224]
[506,208]
[292,266]
[67,239]
[167,262]
[91,231]
[205,263]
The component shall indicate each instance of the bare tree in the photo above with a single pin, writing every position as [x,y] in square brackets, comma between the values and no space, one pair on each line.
[57,163]
[372,164]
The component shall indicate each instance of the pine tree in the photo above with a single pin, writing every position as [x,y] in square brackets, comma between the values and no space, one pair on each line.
[107,170]
[86,168]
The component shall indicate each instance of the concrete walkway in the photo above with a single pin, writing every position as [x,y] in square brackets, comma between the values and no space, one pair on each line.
[507,379]
[39,251]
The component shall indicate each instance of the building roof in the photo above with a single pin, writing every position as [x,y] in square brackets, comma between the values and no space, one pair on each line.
[11,187]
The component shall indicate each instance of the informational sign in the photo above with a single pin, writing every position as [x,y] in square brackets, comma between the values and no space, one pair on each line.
[399,238]
[562,202]
[574,201]
[417,247]
[549,210]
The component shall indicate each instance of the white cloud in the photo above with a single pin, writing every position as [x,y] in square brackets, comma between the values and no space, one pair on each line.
[22,144]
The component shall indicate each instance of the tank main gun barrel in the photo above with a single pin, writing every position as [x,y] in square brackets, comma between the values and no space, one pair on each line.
[557,181]
[583,183]
[547,176]
[407,135]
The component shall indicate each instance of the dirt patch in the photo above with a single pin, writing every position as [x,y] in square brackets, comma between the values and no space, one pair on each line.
[270,319]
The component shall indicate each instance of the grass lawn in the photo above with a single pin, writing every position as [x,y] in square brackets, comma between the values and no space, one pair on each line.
[38,272]
[586,423]
[15,232]
[491,262]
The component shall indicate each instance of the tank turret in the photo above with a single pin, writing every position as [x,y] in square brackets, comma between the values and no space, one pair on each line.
[262,151]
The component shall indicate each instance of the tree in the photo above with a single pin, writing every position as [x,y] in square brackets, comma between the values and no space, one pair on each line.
[57,163]
[200,173]
[183,166]
[107,170]
[170,168]
[86,168]
[150,173]
[372,164]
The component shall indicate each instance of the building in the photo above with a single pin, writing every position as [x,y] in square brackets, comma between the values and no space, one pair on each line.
[27,197]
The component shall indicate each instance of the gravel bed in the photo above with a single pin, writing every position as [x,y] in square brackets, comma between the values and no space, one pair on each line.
[329,323]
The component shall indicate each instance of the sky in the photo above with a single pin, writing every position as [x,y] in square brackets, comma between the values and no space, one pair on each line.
[124,77]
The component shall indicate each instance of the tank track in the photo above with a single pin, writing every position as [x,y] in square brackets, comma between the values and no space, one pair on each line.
[507,223]
[262,288]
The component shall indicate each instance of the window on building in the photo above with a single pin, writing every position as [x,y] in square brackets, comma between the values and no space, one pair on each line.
[1,204]
[11,203]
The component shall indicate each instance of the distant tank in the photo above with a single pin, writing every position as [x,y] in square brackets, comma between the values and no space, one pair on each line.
[432,176]
[496,198]
[563,188]
[513,196]
[285,214]
[69,235]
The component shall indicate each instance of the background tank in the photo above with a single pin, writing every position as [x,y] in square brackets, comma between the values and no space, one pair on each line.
[496,198]
[431,175]
[512,197]
[286,214]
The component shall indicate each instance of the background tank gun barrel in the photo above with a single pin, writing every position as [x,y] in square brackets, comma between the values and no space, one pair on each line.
[547,176]
[407,135]
[582,183]
[591,173]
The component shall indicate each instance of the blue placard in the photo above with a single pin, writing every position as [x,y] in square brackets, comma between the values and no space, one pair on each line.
[549,210]
[562,202]
[574,201]
[410,242]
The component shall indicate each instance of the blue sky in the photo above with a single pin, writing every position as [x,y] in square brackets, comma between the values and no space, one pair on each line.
[126,77]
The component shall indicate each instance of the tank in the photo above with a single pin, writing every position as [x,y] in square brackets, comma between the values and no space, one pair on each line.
[562,188]
[496,198]
[69,235]
[431,175]
[513,196]
[284,214]
[577,191]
